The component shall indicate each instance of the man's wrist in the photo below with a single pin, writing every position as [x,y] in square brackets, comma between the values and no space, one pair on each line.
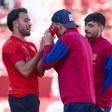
[47,43]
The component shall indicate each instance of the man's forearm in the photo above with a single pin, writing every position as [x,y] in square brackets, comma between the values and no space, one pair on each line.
[40,68]
[29,66]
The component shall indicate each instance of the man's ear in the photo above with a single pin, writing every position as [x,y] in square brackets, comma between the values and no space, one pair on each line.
[102,28]
[60,26]
[15,24]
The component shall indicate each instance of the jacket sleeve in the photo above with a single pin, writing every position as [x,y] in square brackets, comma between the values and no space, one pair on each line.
[107,85]
[52,56]
[108,73]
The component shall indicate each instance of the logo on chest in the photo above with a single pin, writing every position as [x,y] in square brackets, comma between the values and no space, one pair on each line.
[94,58]
[27,53]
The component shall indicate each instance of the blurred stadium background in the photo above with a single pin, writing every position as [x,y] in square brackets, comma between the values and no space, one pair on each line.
[40,12]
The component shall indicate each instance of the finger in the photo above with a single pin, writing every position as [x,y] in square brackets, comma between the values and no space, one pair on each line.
[46,31]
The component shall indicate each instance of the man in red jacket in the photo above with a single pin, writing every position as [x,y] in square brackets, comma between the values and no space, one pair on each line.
[71,57]
[102,60]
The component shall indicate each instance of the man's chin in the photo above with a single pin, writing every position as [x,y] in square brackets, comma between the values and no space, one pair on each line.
[89,36]
[28,34]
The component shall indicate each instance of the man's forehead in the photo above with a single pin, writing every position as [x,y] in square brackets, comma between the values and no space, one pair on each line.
[53,23]
[92,22]
[23,15]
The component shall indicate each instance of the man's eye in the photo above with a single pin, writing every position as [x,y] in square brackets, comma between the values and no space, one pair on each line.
[90,25]
[26,20]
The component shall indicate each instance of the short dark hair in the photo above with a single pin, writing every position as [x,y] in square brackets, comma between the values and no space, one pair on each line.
[13,15]
[97,17]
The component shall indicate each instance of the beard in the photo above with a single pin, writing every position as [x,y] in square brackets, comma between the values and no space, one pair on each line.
[25,32]
[91,36]
[58,34]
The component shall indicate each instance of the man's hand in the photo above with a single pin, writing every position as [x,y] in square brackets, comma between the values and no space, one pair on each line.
[47,39]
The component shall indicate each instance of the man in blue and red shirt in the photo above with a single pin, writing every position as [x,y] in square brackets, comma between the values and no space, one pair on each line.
[20,59]
[102,60]
[71,57]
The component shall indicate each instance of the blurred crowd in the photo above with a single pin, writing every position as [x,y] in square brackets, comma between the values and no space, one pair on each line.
[79,8]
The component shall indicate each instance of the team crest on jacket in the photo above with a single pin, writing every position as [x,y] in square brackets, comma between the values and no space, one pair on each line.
[94,58]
